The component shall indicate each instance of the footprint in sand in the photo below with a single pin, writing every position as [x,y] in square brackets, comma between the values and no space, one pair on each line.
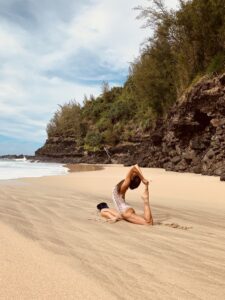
[175,225]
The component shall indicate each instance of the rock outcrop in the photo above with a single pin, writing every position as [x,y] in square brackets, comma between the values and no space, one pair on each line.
[190,139]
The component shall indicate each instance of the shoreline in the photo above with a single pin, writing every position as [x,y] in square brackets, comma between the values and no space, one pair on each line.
[75,166]
[85,167]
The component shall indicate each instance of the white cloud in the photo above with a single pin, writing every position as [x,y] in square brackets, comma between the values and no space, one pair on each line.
[55,51]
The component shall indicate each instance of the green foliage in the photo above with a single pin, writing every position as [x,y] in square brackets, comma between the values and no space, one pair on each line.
[93,140]
[186,45]
[66,121]
[193,36]
[118,110]
[111,137]
[217,64]
[103,124]
[199,37]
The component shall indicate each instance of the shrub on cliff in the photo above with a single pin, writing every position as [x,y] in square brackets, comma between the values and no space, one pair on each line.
[66,121]
[93,140]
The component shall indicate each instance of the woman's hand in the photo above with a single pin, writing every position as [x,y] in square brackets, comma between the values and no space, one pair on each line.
[145,181]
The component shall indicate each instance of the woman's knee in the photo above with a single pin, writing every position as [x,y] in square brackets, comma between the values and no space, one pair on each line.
[150,222]
[127,214]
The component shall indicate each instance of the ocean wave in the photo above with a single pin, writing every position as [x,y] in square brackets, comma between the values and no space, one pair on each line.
[21,168]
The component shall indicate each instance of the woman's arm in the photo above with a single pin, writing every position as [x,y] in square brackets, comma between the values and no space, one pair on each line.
[135,170]
[145,181]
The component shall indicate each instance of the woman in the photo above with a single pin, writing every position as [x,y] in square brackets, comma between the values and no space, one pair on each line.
[123,210]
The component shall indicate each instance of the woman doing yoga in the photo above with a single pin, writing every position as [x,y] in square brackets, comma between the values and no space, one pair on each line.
[123,210]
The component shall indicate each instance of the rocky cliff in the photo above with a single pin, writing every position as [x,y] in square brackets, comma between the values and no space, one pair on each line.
[190,139]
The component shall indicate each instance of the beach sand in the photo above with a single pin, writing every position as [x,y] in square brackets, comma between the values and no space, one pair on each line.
[53,244]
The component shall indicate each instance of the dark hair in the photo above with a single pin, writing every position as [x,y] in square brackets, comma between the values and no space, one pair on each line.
[102,205]
[135,182]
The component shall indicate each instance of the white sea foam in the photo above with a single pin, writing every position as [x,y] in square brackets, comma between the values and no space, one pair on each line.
[20,168]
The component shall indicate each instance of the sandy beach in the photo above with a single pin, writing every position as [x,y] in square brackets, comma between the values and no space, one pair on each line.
[55,246]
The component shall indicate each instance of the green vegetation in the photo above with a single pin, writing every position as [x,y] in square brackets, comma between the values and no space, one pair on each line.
[186,45]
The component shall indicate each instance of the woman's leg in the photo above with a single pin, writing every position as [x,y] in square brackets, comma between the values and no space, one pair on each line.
[135,219]
[110,214]
[132,217]
[147,209]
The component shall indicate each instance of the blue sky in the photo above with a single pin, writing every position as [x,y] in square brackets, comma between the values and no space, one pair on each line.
[52,51]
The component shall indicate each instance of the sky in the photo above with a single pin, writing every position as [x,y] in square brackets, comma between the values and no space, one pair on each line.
[54,51]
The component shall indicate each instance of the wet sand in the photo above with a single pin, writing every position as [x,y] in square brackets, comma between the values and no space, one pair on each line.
[55,246]
[83,167]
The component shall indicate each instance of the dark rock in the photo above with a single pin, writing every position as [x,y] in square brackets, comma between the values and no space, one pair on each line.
[178,149]
[181,166]
[197,144]
[169,167]
[189,156]
[222,79]
[219,171]
[197,169]
[210,154]
[222,177]
[172,153]
[164,160]
[216,122]
[190,139]
[156,138]
[219,131]
[176,159]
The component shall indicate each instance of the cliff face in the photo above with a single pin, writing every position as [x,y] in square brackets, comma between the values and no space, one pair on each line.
[191,139]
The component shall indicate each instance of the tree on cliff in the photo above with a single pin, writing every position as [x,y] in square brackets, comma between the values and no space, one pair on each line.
[186,44]
[66,121]
[195,34]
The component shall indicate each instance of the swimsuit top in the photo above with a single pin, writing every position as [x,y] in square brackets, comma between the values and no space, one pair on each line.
[118,200]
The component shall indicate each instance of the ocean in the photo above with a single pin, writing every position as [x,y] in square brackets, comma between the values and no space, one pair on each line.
[20,168]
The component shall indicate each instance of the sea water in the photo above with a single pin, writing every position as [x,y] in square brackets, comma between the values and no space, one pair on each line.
[20,168]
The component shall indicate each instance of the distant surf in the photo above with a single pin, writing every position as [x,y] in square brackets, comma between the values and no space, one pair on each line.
[20,168]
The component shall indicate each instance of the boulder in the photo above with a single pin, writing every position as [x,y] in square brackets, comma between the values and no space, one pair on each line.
[197,169]
[222,79]
[190,155]
[176,159]
[197,144]
[210,154]
[222,177]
